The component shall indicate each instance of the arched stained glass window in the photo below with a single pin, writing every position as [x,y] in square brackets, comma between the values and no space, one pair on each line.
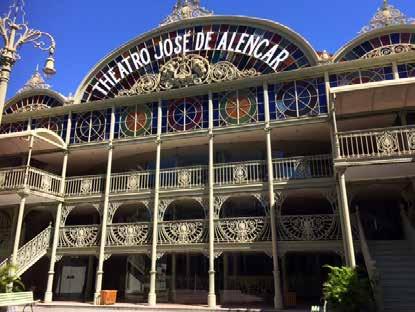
[90,127]
[361,76]
[406,70]
[385,44]
[32,103]
[298,99]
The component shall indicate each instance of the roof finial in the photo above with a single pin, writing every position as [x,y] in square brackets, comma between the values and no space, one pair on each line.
[35,82]
[385,16]
[185,9]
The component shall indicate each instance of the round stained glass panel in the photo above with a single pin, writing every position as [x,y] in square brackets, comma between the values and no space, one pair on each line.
[296,99]
[238,108]
[136,121]
[184,114]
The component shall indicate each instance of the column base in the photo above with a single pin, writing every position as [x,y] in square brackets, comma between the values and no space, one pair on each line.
[212,301]
[151,299]
[278,303]
[48,297]
[97,298]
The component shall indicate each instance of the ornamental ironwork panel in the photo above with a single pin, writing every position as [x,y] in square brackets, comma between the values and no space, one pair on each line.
[182,232]
[309,228]
[128,234]
[78,236]
[242,230]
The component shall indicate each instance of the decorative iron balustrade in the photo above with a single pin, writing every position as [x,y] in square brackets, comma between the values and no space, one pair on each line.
[43,181]
[78,236]
[187,177]
[320,166]
[85,186]
[242,230]
[182,232]
[377,143]
[12,178]
[309,228]
[33,250]
[39,180]
[240,173]
[128,234]
[132,182]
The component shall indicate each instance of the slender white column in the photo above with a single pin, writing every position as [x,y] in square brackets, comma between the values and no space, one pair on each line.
[278,304]
[23,197]
[345,215]
[55,241]
[4,81]
[153,270]
[101,257]
[211,294]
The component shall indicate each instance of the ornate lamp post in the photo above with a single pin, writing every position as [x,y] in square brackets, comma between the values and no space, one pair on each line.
[15,32]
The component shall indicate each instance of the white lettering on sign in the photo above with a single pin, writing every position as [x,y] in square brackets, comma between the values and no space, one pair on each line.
[250,45]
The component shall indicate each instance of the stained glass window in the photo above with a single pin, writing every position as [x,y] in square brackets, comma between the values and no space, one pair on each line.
[137,120]
[297,99]
[238,107]
[185,114]
[406,70]
[55,124]
[90,126]
[32,103]
[361,76]
[386,44]
[13,127]
[242,61]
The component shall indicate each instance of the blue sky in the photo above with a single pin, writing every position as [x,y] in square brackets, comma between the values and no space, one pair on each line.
[87,30]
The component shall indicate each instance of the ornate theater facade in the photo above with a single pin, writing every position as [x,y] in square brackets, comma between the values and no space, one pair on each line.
[217,160]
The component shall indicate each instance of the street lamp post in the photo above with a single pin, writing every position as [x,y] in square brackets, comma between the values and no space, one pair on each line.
[15,32]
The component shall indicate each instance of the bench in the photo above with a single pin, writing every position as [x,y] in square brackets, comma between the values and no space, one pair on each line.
[17,299]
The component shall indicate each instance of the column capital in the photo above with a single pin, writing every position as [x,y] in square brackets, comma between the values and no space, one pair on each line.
[23,193]
[341,170]
[110,146]
[158,141]
[267,128]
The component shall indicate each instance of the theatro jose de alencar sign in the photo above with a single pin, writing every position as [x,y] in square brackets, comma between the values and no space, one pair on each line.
[251,45]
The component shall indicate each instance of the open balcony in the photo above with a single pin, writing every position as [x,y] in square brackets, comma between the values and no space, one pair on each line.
[377,144]
[196,177]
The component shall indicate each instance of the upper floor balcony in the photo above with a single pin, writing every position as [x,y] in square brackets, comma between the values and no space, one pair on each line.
[172,179]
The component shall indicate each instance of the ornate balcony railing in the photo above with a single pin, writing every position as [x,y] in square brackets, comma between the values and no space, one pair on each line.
[309,228]
[187,177]
[43,181]
[377,143]
[39,180]
[85,186]
[240,173]
[182,232]
[242,230]
[132,181]
[128,234]
[78,236]
[319,166]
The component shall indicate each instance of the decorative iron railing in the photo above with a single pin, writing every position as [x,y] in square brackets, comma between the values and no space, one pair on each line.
[182,232]
[242,230]
[240,173]
[307,167]
[376,143]
[132,181]
[128,234]
[78,236]
[187,177]
[33,250]
[84,186]
[39,180]
[309,228]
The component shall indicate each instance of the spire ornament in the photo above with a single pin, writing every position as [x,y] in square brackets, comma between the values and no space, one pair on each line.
[385,16]
[35,82]
[185,9]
